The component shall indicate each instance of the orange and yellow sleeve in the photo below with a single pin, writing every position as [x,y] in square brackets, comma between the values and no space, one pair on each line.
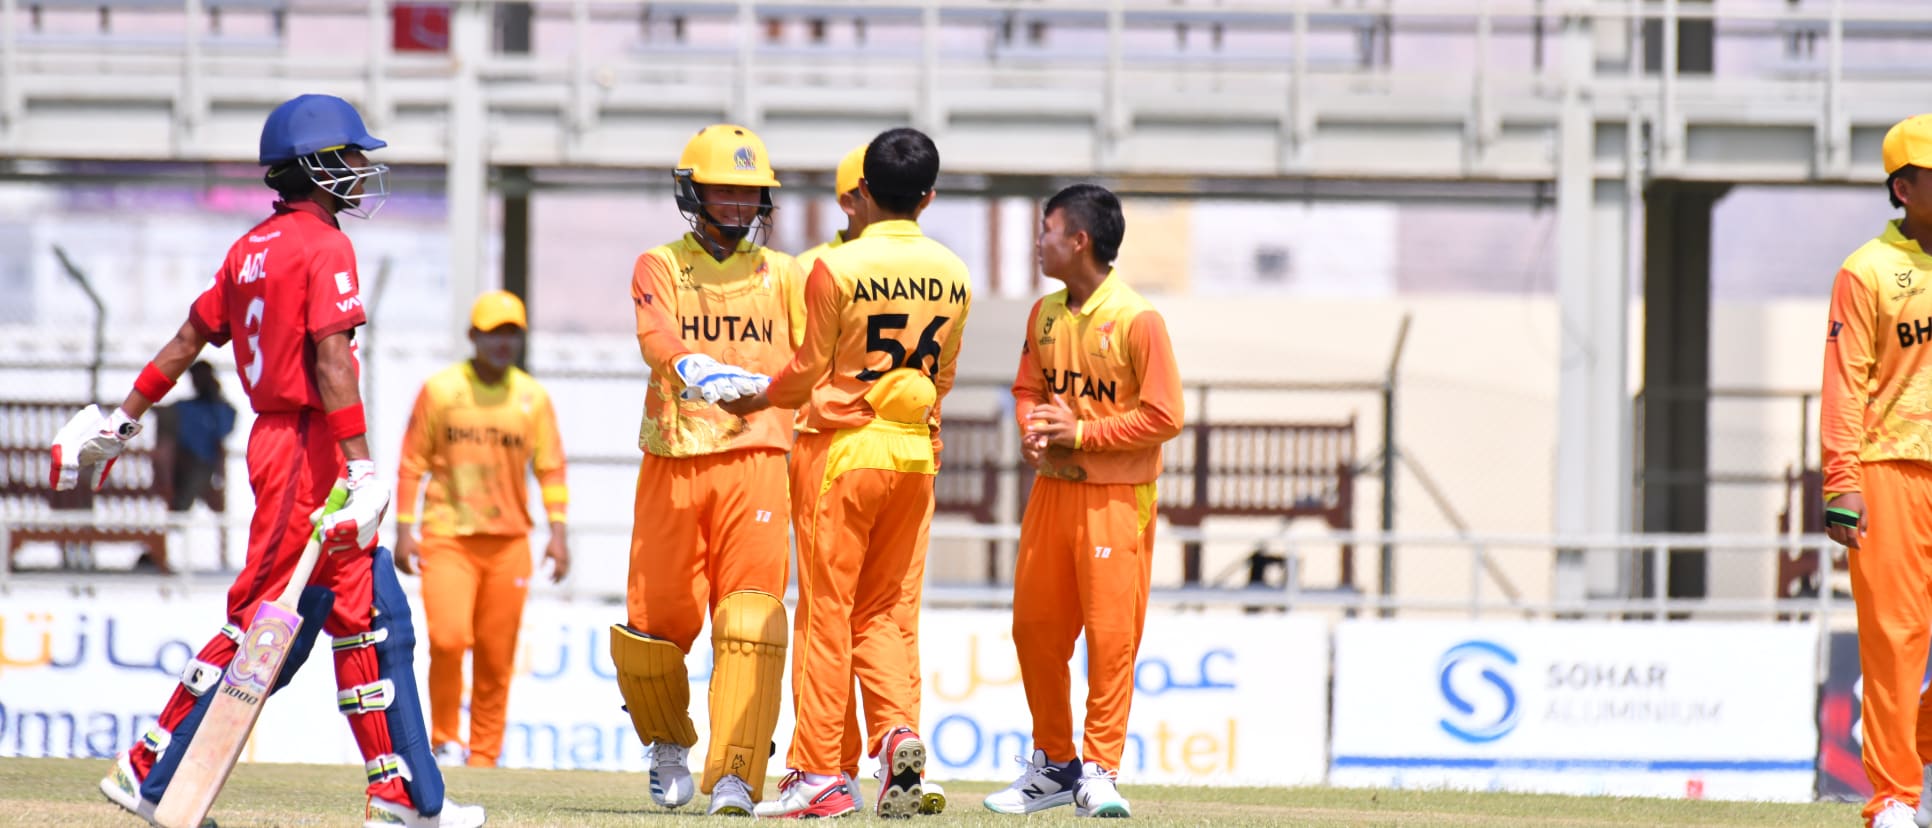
[823,304]
[795,303]
[1029,385]
[1849,360]
[657,332]
[1159,415]
[547,460]
[418,447]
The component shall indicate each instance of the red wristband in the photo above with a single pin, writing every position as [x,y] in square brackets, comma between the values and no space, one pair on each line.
[152,383]
[346,422]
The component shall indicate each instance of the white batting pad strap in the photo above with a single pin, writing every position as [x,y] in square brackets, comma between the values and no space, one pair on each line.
[368,639]
[367,698]
[232,633]
[198,676]
[385,767]
[156,740]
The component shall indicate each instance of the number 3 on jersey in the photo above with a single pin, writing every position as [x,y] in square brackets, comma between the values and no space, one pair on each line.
[254,268]
[878,326]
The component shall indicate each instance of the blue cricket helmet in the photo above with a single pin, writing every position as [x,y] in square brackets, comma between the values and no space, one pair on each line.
[311,123]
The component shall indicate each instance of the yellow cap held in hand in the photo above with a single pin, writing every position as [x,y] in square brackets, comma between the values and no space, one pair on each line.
[903,395]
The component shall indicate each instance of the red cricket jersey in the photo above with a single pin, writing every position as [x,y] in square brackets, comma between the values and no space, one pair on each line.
[285,284]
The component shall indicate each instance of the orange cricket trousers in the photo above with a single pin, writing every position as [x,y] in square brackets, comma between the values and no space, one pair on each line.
[1892,585]
[703,528]
[1086,553]
[906,615]
[857,535]
[473,593]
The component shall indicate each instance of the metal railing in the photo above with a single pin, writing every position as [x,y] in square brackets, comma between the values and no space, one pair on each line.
[1303,62]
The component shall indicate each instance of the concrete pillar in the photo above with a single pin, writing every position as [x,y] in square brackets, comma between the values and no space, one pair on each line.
[1677,372]
[467,173]
[1593,295]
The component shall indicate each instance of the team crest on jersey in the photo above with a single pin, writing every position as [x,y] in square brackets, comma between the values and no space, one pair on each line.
[1903,279]
[745,159]
[1106,336]
[763,273]
[1046,332]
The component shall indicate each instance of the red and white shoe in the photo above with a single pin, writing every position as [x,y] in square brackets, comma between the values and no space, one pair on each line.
[902,768]
[799,798]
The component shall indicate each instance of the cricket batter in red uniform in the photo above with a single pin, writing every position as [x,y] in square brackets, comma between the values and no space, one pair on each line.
[1097,394]
[1875,424]
[288,297]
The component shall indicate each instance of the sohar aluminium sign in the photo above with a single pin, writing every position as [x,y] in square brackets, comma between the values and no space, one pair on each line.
[1679,710]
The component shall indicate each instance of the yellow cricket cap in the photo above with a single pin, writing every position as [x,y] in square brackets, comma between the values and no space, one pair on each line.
[903,395]
[1909,142]
[497,308]
[851,169]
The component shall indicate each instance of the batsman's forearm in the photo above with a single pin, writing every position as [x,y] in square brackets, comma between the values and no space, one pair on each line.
[173,360]
[336,378]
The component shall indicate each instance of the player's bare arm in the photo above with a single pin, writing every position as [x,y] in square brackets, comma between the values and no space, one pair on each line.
[354,526]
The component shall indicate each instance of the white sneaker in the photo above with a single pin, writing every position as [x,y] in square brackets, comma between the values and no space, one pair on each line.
[381,813]
[121,788]
[730,797]
[1096,796]
[852,787]
[451,754]
[1041,785]
[1923,817]
[670,780]
[932,798]
[799,798]
[1895,815]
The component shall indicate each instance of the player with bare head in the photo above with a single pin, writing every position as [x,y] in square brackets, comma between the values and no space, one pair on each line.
[884,316]
[709,535]
[287,296]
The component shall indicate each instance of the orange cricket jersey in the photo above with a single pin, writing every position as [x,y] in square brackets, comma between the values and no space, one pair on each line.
[475,440]
[892,298]
[1877,400]
[740,311]
[1112,363]
[806,261]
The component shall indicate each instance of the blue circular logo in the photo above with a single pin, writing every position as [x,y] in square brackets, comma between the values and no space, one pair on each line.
[1475,682]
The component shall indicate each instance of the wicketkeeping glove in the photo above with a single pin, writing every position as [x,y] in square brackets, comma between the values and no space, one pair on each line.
[89,439]
[353,527]
[713,381]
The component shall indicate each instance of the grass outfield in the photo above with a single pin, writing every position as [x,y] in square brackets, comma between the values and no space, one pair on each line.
[62,792]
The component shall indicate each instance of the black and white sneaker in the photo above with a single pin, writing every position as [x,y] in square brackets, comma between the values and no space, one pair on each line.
[1042,785]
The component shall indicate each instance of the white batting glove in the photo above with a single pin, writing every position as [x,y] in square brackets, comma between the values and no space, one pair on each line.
[89,439]
[353,527]
[713,381]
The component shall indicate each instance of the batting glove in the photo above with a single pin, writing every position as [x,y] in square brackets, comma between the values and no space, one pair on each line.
[713,381]
[353,527]
[89,439]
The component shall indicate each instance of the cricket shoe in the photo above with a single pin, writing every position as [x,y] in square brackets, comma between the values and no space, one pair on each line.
[1096,795]
[670,780]
[121,788]
[798,798]
[932,798]
[1041,785]
[902,765]
[381,813]
[1896,814]
[451,755]
[730,797]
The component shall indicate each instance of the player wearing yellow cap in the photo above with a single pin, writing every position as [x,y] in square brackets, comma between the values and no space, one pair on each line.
[715,311]
[476,427]
[1876,430]
[851,168]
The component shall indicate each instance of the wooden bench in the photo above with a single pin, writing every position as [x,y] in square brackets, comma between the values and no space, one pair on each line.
[1798,575]
[1277,470]
[128,507]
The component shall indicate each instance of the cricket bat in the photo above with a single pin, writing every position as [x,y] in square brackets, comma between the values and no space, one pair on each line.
[240,694]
